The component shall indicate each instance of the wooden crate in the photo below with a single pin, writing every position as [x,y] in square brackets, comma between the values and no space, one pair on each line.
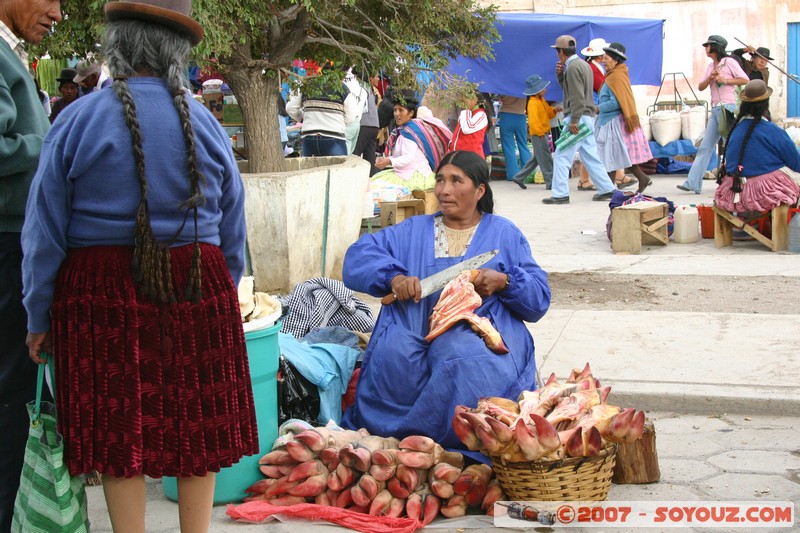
[396,212]
[431,203]
[637,224]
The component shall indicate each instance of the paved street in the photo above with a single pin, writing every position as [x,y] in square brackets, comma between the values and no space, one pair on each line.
[720,387]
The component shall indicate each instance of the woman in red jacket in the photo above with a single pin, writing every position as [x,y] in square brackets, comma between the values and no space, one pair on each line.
[471,128]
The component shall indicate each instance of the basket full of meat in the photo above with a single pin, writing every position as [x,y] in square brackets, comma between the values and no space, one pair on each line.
[557,443]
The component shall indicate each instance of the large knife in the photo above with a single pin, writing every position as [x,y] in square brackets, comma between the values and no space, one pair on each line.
[435,282]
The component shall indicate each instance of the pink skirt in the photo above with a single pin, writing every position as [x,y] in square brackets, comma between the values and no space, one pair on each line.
[759,193]
[161,390]
[636,143]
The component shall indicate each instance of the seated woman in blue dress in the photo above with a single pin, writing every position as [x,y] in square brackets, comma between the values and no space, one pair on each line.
[408,386]
[761,161]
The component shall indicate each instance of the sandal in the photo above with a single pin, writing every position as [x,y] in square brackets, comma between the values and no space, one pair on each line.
[582,186]
[643,186]
[626,182]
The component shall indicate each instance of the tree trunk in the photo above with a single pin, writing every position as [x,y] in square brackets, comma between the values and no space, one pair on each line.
[637,462]
[257,94]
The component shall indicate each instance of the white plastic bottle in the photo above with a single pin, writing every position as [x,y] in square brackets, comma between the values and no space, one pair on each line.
[686,224]
[794,233]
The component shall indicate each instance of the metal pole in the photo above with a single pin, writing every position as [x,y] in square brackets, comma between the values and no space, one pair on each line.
[790,76]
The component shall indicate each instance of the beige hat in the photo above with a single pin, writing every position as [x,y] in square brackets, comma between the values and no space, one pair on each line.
[86,69]
[755,91]
[595,48]
[565,41]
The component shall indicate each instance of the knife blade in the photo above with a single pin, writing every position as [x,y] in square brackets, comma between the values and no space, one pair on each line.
[436,281]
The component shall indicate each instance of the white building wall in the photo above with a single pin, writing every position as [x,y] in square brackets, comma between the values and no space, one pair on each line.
[687,25]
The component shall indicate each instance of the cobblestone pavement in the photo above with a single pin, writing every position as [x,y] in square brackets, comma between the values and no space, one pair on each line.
[702,458]
[668,363]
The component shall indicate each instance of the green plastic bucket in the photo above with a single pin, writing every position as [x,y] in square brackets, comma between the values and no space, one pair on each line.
[263,353]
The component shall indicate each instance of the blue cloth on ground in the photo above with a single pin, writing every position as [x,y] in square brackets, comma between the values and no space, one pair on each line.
[667,165]
[679,147]
[328,366]
[408,386]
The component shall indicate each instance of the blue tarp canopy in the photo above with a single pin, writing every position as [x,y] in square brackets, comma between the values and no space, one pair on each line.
[524,49]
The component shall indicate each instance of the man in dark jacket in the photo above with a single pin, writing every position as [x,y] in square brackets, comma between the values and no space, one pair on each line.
[23,125]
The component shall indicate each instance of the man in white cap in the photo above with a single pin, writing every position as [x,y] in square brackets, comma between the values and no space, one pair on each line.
[23,126]
[91,77]
[575,77]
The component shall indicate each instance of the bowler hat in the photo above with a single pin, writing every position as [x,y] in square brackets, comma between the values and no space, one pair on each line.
[764,52]
[175,14]
[535,84]
[565,41]
[755,91]
[616,49]
[716,39]
[595,48]
[66,75]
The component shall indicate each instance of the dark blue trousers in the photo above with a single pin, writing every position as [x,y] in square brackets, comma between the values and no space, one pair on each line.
[17,375]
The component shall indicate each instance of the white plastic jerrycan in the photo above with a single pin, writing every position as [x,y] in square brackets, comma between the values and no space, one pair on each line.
[686,224]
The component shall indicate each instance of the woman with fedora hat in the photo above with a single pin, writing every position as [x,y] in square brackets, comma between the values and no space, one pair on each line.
[722,77]
[756,66]
[594,54]
[620,138]
[133,247]
[761,161]
[68,89]
[540,113]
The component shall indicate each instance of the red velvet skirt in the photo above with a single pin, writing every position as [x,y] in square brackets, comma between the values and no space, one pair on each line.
[161,390]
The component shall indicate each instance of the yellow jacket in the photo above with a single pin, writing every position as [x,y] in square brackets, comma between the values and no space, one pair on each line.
[539,115]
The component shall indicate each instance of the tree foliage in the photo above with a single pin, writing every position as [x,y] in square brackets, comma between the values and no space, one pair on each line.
[251,40]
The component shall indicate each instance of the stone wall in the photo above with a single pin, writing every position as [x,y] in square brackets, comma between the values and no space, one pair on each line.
[285,219]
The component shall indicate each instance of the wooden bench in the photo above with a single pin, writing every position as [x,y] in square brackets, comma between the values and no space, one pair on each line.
[725,221]
[639,223]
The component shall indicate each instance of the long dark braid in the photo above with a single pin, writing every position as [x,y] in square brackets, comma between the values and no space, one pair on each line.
[131,43]
[151,262]
[757,111]
[196,178]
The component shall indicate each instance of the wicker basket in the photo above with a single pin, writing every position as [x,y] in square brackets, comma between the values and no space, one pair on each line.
[571,479]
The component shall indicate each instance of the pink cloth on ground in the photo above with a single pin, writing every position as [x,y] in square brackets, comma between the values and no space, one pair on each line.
[759,193]
[259,511]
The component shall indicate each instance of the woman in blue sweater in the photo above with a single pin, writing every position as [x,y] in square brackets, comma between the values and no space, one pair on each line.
[761,161]
[133,244]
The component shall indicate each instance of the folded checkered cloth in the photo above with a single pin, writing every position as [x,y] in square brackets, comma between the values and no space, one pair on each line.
[321,302]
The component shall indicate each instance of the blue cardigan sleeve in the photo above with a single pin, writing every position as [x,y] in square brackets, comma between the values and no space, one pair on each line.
[372,261]
[608,102]
[788,151]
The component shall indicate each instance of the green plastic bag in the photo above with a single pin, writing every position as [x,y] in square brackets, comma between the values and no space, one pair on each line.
[726,119]
[49,500]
